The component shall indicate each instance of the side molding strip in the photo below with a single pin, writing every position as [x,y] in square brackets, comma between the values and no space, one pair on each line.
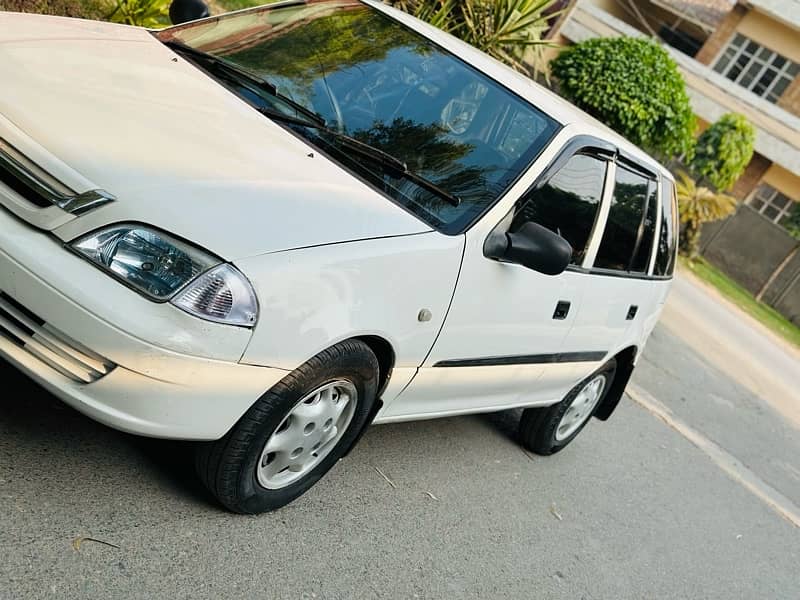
[526,359]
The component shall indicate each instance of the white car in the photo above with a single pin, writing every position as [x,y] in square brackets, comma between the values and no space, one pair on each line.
[262,231]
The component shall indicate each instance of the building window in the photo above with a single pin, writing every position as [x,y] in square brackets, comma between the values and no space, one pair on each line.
[768,201]
[758,69]
[680,40]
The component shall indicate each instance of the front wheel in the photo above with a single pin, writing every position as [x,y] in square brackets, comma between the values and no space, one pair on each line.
[550,429]
[294,433]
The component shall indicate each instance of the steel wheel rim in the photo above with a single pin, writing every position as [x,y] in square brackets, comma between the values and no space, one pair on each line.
[581,407]
[307,434]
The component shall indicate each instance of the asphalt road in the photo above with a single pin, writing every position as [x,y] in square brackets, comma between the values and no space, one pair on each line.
[633,509]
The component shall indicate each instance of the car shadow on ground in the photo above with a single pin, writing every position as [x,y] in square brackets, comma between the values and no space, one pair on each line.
[34,423]
[174,460]
[505,422]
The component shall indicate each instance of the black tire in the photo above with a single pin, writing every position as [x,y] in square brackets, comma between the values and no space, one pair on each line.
[228,466]
[537,428]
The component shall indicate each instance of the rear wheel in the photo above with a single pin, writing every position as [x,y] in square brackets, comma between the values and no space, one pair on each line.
[548,430]
[294,433]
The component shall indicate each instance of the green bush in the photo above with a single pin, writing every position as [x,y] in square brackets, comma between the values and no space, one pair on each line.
[634,87]
[144,13]
[82,9]
[724,150]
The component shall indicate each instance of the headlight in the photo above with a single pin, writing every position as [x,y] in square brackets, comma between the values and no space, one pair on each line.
[164,268]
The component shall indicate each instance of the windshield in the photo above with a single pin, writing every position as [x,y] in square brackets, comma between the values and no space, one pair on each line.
[379,82]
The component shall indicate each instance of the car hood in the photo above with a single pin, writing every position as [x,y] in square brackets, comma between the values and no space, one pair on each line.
[177,149]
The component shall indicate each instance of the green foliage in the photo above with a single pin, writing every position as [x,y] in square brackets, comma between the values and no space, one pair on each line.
[792,221]
[439,13]
[81,9]
[724,150]
[143,13]
[699,205]
[634,87]
[508,30]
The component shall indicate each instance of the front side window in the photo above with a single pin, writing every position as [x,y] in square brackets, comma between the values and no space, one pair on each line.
[756,68]
[374,80]
[668,238]
[623,246]
[567,203]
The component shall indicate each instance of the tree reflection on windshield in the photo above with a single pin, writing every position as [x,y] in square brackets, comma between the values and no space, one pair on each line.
[387,86]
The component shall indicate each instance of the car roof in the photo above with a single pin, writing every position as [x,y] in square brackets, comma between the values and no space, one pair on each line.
[544,99]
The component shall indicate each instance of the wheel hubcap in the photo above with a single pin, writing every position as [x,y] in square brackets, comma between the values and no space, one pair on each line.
[307,435]
[581,408]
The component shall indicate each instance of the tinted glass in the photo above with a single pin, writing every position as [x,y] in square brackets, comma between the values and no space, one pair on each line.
[378,81]
[641,260]
[668,239]
[568,202]
[621,235]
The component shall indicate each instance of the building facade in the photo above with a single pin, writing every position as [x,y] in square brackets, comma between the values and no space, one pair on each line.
[741,57]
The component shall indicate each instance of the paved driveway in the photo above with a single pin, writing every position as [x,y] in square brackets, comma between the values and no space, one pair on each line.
[632,510]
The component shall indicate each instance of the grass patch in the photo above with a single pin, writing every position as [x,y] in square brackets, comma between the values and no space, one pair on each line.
[742,298]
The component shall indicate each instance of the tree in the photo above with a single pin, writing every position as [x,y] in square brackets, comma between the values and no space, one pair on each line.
[724,150]
[504,29]
[634,87]
[699,205]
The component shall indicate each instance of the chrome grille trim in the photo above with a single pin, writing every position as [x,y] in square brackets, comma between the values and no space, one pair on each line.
[49,345]
[42,189]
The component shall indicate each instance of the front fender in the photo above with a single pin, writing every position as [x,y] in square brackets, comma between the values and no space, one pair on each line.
[312,298]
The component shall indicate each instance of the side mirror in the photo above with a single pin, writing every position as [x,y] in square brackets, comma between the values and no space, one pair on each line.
[181,11]
[532,246]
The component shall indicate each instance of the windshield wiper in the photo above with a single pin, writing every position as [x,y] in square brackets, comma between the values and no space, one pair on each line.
[234,70]
[364,149]
[311,119]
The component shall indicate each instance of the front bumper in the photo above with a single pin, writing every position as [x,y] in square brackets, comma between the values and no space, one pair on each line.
[129,363]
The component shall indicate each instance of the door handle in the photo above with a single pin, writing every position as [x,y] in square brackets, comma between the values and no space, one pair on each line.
[562,310]
[632,312]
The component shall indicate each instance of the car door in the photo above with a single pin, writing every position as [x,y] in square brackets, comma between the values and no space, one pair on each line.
[616,277]
[501,344]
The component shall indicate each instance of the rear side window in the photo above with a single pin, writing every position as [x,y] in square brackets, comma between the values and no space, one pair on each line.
[568,203]
[668,240]
[641,257]
[622,247]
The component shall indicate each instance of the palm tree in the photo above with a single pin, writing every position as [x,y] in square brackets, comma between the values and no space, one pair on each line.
[699,205]
[504,29]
